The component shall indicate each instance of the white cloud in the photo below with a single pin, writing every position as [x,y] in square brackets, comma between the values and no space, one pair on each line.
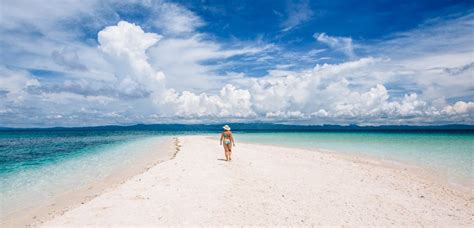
[125,44]
[341,44]
[17,13]
[437,37]
[331,69]
[174,19]
[459,107]
[426,58]
[288,115]
[68,58]
[50,36]
[126,39]
[122,80]
[183,60]
[230,102]
[14,86]
[298,13]
[325,92]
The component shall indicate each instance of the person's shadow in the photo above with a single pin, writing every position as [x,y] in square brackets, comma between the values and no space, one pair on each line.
[221,159]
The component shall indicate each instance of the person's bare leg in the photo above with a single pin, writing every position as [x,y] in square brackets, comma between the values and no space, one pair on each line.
[229,149]
[226,153]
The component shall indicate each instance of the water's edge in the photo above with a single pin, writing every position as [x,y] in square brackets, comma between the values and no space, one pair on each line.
[463,186]
[449,155]
[59,204]
[74,198]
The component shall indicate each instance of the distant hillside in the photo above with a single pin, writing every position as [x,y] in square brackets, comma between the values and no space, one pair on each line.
[259,127]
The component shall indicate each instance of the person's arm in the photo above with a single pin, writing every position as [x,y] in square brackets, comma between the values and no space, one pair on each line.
[222,137]
[232,139]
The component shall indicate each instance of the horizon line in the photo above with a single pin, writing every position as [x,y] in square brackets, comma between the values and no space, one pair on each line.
[308,126]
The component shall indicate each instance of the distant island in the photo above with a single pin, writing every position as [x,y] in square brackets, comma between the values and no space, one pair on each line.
[262,127]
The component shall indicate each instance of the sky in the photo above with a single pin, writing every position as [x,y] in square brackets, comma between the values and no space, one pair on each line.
[110,62]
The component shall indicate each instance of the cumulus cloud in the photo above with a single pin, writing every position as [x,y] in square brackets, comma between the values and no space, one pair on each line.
[341,44]
[126,39]
[320,95]
[324,92]
[459,107]
[125,45]
[287,96]
[229,103]
[136,73]
[117,77]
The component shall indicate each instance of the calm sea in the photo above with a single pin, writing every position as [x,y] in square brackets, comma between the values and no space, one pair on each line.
[36,165]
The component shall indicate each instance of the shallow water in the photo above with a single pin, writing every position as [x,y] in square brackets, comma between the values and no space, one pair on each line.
[37,166]
[449,154]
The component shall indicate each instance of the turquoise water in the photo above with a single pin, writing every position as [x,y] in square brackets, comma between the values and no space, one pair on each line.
[448,154]
[37,166]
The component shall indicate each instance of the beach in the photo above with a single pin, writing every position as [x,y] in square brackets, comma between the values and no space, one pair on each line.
[41,193]
[271,185]
[344,113]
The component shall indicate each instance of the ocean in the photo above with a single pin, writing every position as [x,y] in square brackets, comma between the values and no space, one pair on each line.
[37,165]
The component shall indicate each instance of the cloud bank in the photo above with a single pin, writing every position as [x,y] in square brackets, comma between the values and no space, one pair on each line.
[161,72]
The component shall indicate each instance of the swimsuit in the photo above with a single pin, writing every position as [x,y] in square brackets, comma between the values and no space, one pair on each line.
[227,139]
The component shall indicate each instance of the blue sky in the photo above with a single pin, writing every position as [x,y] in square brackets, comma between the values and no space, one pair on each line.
[359,19]
[69,63]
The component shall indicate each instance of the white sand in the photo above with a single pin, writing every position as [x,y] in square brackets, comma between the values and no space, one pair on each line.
[268,185]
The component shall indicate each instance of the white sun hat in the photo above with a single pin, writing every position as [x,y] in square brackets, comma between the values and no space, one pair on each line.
[226,127]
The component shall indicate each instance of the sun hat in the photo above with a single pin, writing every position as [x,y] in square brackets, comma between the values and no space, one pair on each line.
[226,127]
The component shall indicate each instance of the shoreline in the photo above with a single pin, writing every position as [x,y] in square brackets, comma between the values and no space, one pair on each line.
[271,185]
[110,195]
[59,204]
[448,155]
[464,184]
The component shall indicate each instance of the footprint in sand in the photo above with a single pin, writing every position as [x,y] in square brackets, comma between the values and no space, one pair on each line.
[139,197]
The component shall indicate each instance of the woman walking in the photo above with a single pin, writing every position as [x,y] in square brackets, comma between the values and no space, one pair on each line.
[228,140]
